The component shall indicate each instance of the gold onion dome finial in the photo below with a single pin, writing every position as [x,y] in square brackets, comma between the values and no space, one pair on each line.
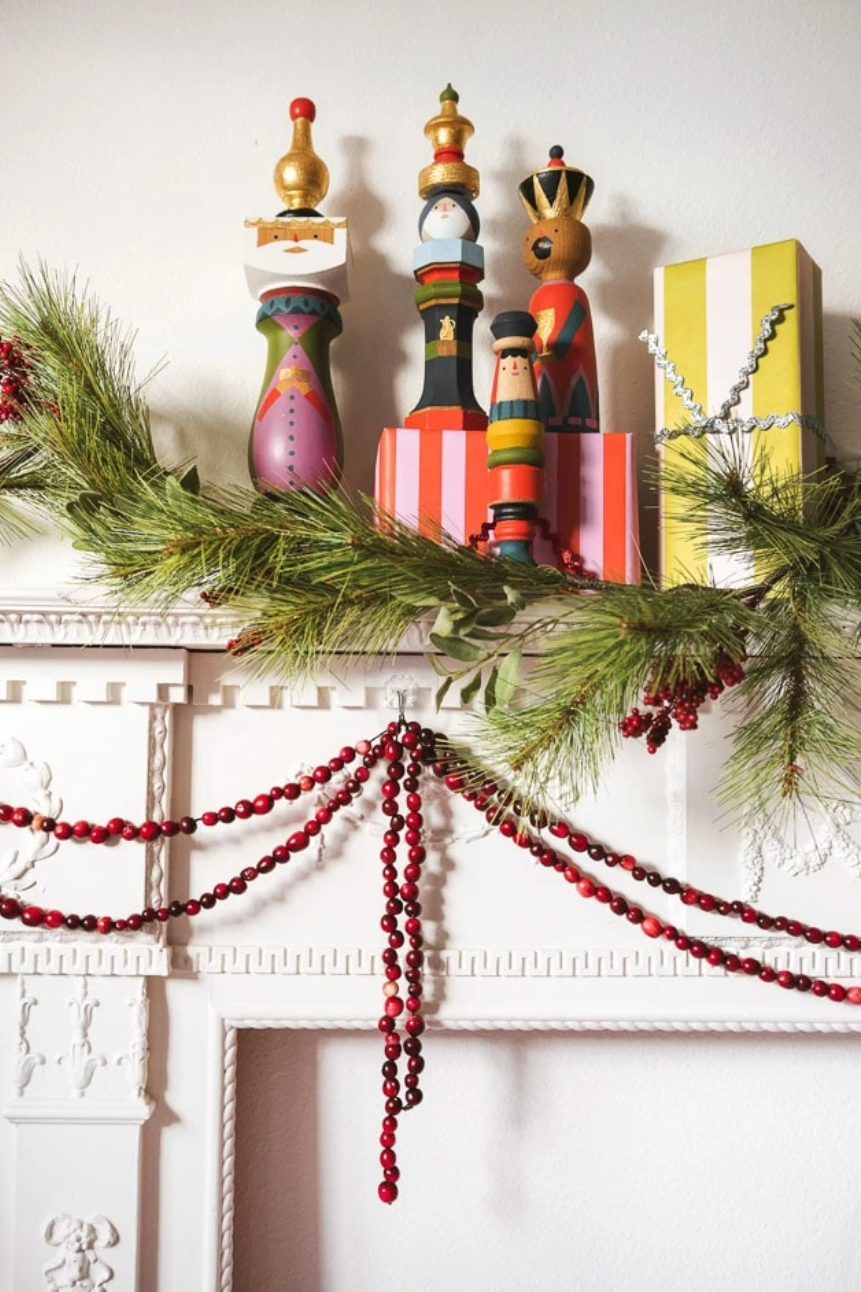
[301,177]
[556,189]
[448,131]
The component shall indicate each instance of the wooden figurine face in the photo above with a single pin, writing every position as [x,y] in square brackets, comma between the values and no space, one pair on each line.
[557,248]
[448,215]
[514,378]
[293,251]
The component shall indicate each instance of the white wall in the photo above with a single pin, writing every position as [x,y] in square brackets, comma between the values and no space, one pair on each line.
[135,140]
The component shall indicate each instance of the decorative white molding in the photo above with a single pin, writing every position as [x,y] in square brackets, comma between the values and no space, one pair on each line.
[401,691]
[230,1046]
[30,846]
[78,1268]
[26,1059]
[830,840]
[157,802]
[503,962]
[136,1058]
[75,1112]
[79,1059]
[117,955]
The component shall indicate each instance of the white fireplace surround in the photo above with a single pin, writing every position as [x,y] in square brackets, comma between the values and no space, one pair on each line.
[145,714]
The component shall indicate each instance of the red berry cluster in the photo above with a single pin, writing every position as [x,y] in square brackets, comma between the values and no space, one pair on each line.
[679,704]
[13,378]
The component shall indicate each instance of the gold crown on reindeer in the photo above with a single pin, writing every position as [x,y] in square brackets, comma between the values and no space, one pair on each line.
[556,190]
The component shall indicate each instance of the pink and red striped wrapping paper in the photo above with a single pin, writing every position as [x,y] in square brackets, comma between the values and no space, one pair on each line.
[436,480]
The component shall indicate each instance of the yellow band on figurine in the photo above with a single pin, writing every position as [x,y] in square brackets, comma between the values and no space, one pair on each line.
[519,432]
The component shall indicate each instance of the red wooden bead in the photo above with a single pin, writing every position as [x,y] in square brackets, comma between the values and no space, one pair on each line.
[690,896]
[819,988]
[414,820]
[237,885]
[387,1192]
[393,1007]
[98,834]
[120,926]
[748,915]
[627,862]
[321,775]
[291,791]
[88,923]
[221,891]
[265,865]
[767,974]
[707,902]
[149,830]
[803,983]
[32,916]
[578,842]
[833,939]
[226,815]
[298,841]
[751,966]
[786,979]
[104,924]
[311,828]
[853,995]
[249,874]
[53,919]
[130,831]
[851,942]
[699,950]
[306,783]
[62,830]
[10,909]
[81,829]
[836,992]
[72,921]
[169,828]
[715,956]
[115,825]
[192,906]
[22,816]
[603,895]
[415,1025]
[243,809]
[732,963]
[619,906]
[187,825]
[347,754]
[586,887]
[210,818]
[6,810]
[814,935]
[795,928]
[135,921]
[635,915]
[652,927]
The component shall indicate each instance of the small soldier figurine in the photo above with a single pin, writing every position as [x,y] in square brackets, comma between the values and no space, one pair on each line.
[515,438]
[556,249]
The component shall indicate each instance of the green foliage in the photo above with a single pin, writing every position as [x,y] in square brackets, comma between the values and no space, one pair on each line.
[314,576]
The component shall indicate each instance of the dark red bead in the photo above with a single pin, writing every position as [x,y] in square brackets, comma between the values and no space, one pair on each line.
[226,815]
[187,824]
[387,1192]
[149,830]
[22,816]
[89,923]
[795,928]
[803,983]
[291,791]
[732,963]
[244,809]
[207,901]
[192,906]
[715,957]
[32,916]
[71,920]
[249,874]
[819,988]
[836,992]
[618,906]
[690,896]
[851,942]
[221,891]
[639,873]
[81,829]
[176,909]
[751,966]
[767,974]
[699,950]
[53,919]
[98,834]
[170,828]
[603,895]
[786,979]
[134,922]
[237,885]
[814,935]
[706,902]
[386,1024]
[413,1097]
[6,811]
[635,915]
[415,1025]
[265,865]
[579,842]
[298,841]
[276,793]
[833,939]
[62,830]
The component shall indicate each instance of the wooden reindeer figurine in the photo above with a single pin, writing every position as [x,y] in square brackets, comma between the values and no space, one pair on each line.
[556,249]
[296,266]
[515,438]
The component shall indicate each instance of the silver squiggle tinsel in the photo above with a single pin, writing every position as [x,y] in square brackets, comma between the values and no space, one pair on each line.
[722,423]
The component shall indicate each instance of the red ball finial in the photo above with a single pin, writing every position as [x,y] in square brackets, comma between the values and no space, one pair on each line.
[302,108]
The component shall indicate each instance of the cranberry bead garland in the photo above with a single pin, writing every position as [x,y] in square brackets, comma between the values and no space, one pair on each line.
[401,900]
[118,827]
[679,703]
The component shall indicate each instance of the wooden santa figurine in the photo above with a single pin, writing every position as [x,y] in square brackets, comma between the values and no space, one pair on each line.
[296,266]
[556,249]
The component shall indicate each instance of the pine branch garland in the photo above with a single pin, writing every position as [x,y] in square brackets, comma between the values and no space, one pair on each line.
[313,576]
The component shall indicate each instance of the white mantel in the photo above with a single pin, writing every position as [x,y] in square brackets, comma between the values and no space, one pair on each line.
[171,725]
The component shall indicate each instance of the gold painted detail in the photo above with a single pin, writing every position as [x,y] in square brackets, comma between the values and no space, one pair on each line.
[301,177]
[294,377]
[288,230]
[446,328]
[545,320]
[449,132]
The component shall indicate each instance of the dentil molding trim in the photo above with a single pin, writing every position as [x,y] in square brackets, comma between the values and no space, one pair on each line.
[498,962]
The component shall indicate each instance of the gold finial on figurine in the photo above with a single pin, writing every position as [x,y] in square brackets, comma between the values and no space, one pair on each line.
[556,189]
[301,177]
[448,131]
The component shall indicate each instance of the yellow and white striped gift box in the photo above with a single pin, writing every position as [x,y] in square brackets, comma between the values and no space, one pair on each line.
[708,313]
